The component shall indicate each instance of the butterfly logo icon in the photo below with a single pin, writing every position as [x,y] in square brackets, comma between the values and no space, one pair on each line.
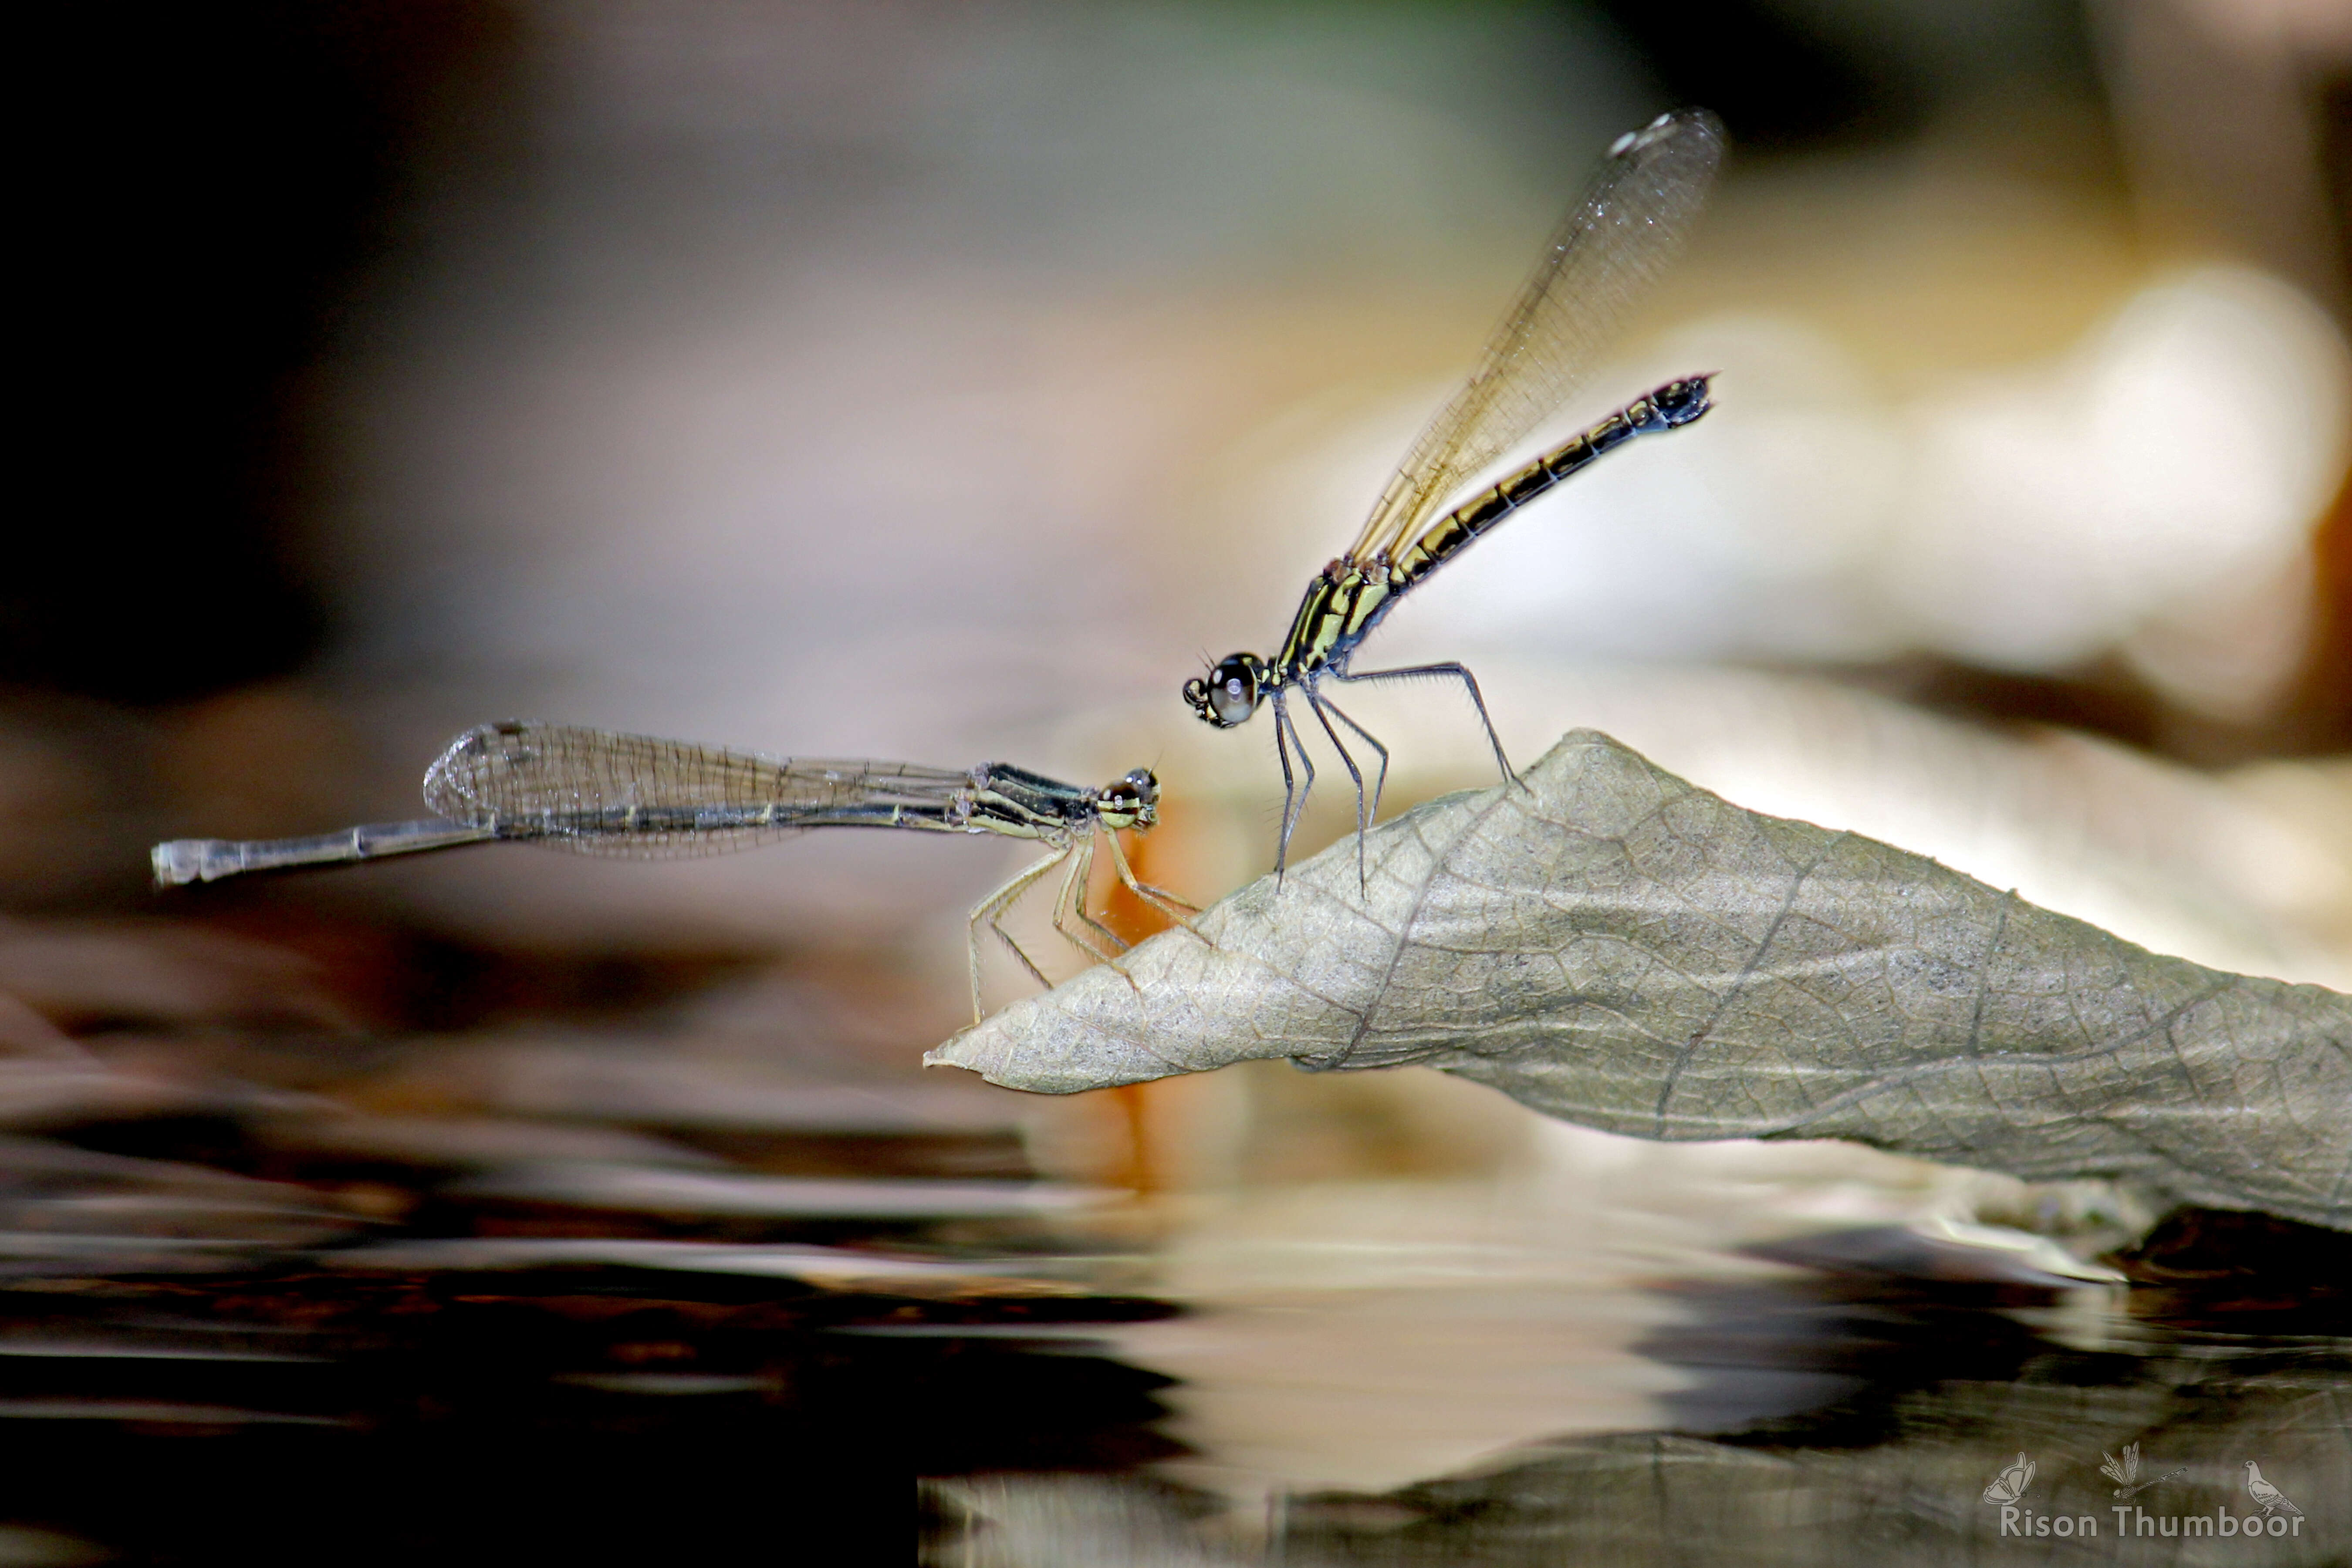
[2010,1484]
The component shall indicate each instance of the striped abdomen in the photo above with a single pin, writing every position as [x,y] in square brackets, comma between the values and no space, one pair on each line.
[1670,407]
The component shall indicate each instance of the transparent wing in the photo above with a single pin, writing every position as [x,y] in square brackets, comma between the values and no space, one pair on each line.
[638,798]
[1622,234]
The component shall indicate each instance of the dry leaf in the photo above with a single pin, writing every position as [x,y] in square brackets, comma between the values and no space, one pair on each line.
[1613,946]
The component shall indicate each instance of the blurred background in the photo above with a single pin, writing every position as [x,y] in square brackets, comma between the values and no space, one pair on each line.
[947,382]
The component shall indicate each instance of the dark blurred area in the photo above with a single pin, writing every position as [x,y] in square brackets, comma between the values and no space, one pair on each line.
[1798,77]
[221,197]
[934,381]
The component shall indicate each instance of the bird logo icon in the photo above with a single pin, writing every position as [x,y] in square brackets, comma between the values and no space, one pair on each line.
[2268,1497]
[2010,1484]
[2125,1472]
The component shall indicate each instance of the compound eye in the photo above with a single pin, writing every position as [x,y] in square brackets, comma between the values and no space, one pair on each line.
[1145,783]
[1126,803]
[1233,690]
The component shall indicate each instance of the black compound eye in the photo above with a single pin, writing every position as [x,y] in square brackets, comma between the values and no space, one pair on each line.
[1230,694]
[1234,689]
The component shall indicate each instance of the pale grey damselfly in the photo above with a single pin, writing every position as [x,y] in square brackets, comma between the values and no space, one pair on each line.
[596,792]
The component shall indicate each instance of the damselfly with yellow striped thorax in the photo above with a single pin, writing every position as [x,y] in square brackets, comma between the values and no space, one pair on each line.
[1628,226]
[594,792]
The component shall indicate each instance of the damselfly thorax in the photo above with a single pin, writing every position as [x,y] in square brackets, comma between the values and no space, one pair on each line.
[598,792]
[1628,225]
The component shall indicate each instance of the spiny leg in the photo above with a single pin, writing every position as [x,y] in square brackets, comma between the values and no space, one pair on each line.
[1072,900]
[1294,796]
[1160,899]
[1314,706]
[1371,739]
[992,908]
[1469,683]
[1001,904]
[1289,788]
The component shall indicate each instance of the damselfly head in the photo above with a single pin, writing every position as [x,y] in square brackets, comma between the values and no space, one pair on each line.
[1132,802]
[1231,693]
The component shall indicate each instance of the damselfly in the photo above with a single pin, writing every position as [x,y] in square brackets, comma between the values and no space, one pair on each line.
[594,792]
[1622,231]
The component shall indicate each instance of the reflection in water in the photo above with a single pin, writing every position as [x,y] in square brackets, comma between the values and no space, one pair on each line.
[275,1293]
[2230,1347]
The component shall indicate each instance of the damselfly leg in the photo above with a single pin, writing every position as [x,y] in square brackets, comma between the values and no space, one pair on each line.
[1363,820]
[1448,670]
[1160,899]
[992,910]
[1380,784]
[1072,900]
[1294,796]
[1087,932]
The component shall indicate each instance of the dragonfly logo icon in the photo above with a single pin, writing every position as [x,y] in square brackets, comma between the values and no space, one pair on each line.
[2125,1472]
